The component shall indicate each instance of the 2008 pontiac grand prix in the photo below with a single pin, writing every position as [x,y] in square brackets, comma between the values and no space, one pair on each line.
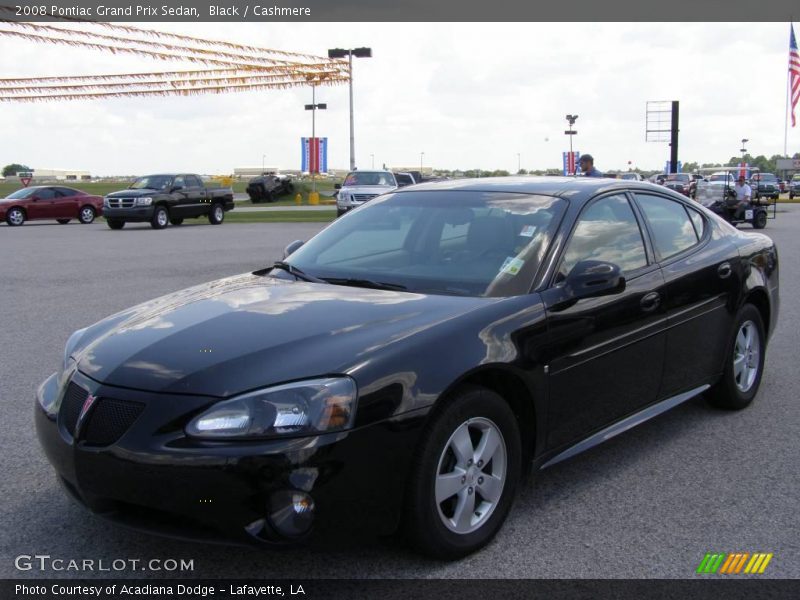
[407,366]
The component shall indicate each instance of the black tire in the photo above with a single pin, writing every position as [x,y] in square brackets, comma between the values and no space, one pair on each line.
[160,217]
[339,212]
[735,391]
[15,217]
[760,219]
[86,214]
[217,214]
[289,188]
[431,526]
[115,223]
[176,220]
[63,221]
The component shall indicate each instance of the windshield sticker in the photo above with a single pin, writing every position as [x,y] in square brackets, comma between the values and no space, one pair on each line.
[528,231]
[512,265]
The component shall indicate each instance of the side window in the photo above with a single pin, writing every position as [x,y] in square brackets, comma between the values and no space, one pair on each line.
[607,230]
[698,221]
[178,182]
[673,231]
[193,181]
[46,194]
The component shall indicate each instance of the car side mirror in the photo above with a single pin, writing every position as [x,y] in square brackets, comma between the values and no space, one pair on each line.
[594,278]
[292,247]
[337,186]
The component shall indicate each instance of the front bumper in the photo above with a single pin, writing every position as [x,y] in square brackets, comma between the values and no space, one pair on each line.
[139,214]
[154,478]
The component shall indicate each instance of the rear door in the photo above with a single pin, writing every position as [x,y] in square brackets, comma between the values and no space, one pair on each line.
[66,203]
[700,273]
[604,354]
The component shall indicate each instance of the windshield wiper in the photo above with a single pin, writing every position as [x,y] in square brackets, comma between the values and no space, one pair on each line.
[365,283]
[292,270]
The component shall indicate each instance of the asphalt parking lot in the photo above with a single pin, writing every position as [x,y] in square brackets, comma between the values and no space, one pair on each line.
[649,503]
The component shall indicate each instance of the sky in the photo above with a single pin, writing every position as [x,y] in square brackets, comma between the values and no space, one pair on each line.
[467,95]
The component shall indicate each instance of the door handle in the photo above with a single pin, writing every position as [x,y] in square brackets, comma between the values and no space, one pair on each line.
[724,270]
[650,302]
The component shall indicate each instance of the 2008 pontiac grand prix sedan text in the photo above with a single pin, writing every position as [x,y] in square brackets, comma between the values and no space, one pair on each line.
[410,363]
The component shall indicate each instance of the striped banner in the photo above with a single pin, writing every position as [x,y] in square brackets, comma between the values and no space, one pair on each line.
[734,563]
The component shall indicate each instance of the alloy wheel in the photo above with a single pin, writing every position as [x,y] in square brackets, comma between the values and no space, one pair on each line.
[746,356]
[471,475]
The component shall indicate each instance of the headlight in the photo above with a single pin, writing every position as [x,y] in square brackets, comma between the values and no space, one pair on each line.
[106,203]
[144,201]
[302,408]
[67,362]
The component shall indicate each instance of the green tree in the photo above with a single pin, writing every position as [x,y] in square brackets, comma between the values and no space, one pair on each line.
[13,169]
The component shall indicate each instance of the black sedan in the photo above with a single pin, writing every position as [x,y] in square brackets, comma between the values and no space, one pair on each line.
[410,364]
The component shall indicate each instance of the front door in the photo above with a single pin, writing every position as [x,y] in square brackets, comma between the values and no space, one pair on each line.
[604,354]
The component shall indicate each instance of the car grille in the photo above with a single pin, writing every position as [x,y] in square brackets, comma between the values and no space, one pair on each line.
[108,420]
[121,202]
[363,197]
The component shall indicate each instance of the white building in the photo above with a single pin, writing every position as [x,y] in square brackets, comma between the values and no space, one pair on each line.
[59,175]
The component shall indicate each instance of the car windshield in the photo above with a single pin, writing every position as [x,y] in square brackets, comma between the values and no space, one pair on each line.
[152,182]
[719,177]
[22,194]
[369,178]
[767,177]
[678,177]
[442,242]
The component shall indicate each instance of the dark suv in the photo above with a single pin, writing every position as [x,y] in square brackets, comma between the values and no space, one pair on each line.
[765,185]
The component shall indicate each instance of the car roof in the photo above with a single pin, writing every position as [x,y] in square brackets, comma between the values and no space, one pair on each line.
[577,189]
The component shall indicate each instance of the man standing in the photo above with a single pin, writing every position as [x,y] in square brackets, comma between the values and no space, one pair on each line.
[587,166]
[743,195]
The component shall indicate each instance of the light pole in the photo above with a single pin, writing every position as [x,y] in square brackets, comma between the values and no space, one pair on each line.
[350,53]
[519,163]
[421,154]
[743,151]
[263,158]
[570,132]
[313,141]
[372,157]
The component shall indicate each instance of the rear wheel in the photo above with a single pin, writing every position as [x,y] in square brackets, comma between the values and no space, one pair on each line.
[160,217]
[465,475]
[744,362]
[63,221]
[760,219]
[86,215]
[15,217]
[217,214]
[115,223]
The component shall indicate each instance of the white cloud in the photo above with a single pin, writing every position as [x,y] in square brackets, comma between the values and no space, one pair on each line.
[465,94]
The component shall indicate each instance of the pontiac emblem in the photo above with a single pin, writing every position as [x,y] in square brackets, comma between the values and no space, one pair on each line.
[87,406]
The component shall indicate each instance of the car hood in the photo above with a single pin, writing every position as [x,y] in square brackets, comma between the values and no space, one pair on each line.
[248,331]
[133,193]
[368,189]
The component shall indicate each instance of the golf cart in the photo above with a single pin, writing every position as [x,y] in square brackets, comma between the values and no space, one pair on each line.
[716,193]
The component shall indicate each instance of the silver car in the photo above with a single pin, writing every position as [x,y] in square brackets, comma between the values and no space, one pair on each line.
[361,186]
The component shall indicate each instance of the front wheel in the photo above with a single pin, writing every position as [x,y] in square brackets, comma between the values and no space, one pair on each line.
[217,214]
[15,217]
[465,475]
[744,362]
[115,223]
[86,215]
[160,217]
[760,220]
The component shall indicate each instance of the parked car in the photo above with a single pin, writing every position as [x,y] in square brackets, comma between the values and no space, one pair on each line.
[411,363]
[266,187]
[50,202]
[361,186]
[794,187]
[715,187]
[765,185]
[657,178]
[631,176]
[683,183]
[404,179]
[163,199]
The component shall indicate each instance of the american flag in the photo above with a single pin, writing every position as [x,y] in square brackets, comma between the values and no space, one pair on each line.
[794,73]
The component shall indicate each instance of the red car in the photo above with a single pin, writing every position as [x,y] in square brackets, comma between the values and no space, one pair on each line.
[50,202]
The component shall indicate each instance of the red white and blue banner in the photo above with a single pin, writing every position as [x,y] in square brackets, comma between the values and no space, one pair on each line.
[570,162]
[314,155]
